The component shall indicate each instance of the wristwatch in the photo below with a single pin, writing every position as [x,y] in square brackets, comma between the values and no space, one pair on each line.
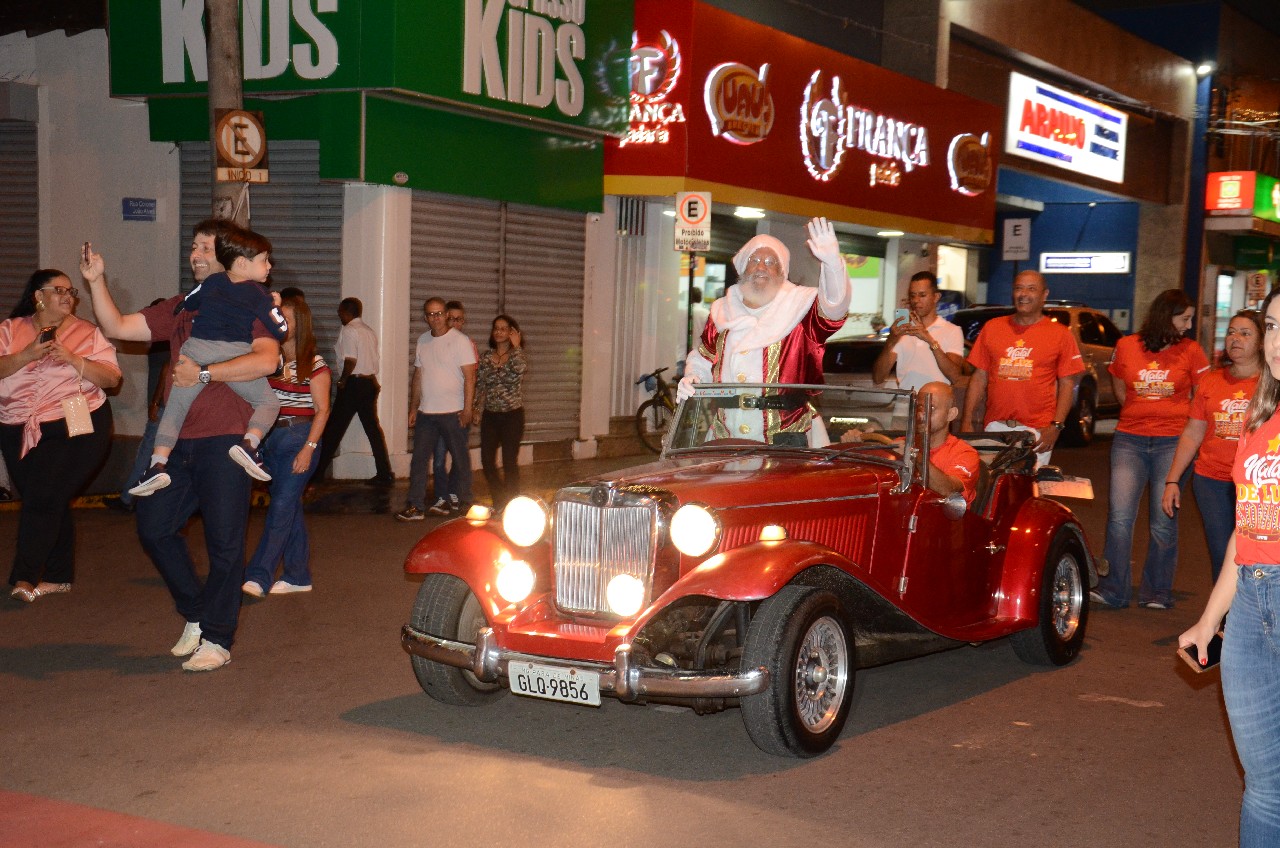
[1057,424]
[205,376]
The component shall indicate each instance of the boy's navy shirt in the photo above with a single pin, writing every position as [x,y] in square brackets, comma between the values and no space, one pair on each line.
[227,310]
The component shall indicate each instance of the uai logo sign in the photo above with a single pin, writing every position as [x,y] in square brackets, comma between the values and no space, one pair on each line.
[738,102]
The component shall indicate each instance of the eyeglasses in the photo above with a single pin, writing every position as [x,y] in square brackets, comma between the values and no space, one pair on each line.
[768,262]
[434,314]
[60,290]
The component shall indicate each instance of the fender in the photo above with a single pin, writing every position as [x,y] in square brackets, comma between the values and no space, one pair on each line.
[751,572]
[1037,525]
[470,550]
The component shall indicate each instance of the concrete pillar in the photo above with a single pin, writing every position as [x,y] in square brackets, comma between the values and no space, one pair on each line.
[599,306]
[375,268]
[916,39]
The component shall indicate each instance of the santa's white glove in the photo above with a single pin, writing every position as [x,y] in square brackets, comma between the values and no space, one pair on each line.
[684,391]
[822,241]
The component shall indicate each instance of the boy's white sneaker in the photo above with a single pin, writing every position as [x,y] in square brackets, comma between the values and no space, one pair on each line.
[190,640]
[208,657]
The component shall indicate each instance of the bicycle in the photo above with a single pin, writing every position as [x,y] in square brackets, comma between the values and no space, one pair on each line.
[655,414]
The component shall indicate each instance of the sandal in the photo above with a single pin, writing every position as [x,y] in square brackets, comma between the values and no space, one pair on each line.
[50,589]
[24,595]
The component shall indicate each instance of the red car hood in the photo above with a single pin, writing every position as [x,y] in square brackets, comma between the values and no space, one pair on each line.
[754,478]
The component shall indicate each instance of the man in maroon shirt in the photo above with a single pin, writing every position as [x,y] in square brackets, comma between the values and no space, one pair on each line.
[204,477]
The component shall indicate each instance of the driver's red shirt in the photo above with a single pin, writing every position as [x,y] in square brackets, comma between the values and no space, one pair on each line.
[957,458]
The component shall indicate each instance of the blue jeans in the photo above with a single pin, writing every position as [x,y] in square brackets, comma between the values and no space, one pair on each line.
[1251,689]
[1139,462]
[427,430]
[285,535]
[202,477]
[142,461]
[1217,502]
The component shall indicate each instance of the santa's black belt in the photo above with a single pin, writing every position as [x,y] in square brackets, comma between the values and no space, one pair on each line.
[781,402]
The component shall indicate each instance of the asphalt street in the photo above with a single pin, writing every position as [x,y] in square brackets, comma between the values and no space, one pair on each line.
[317,734]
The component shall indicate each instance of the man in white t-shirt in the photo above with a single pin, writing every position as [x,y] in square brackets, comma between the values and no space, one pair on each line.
[924,347]
[440,407]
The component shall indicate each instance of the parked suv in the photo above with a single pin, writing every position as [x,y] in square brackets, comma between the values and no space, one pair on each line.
[1097,338]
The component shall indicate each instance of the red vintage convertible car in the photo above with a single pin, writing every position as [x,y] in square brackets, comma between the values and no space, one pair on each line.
[753,571]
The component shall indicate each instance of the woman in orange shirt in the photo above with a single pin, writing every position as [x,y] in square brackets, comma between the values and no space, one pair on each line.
[1217,419]
[1154,372]
[1249,586]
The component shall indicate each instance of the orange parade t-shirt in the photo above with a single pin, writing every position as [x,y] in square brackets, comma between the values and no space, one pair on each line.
[1023,365]
[1157,386]
[958,459]
[1256,473]
[1220,402]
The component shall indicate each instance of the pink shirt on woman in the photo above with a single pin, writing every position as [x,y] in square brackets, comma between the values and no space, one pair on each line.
[33,394]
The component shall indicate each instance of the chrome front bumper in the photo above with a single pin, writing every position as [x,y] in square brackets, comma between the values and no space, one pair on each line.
[622,679]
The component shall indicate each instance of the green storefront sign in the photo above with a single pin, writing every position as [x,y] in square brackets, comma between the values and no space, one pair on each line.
[445,95]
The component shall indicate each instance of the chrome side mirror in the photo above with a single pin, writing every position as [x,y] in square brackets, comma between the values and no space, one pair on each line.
[953,506]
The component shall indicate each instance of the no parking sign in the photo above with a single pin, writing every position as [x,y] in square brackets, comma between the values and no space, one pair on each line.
[693,221]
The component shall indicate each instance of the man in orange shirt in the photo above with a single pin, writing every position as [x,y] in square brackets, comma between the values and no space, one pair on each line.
[953,462]
[1028,366]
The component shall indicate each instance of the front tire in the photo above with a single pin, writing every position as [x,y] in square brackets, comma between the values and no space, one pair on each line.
[446,607]
[652,420]
[803,637]
[1063,607]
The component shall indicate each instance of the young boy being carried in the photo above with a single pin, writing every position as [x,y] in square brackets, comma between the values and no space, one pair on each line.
[227,305]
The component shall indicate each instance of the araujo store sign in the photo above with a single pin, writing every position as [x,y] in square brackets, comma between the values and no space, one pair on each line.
[760,118]
[508,99]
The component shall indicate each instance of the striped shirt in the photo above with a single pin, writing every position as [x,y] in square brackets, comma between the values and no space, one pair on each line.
[295,397]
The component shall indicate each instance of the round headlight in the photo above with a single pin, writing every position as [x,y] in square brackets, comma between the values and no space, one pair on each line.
[625,594]
[524,520]
[694,530]
[515,581]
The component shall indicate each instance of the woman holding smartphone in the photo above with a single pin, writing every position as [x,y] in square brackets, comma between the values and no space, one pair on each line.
[53,369]
[1249,586]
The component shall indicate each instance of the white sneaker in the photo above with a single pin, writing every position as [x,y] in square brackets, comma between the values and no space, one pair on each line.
[252,589]
[282,588]
[190,640]
[208,657]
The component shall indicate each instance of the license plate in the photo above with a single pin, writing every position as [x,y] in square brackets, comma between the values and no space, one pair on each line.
[571,685]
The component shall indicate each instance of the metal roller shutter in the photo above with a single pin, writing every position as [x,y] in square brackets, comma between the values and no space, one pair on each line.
[544,288]
[19,212]
[524,261]
[299,214]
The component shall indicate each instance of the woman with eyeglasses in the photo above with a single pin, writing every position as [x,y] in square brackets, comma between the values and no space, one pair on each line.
[55,425]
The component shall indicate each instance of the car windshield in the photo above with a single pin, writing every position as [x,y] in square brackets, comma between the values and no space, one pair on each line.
[826,419]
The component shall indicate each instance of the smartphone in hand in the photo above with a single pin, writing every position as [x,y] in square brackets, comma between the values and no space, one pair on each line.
[899,314]
[1214,651]
[84,253]
[47,334]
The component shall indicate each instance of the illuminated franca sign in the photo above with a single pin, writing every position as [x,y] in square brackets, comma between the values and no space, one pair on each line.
[655,69]
[1059,128]
[829,128]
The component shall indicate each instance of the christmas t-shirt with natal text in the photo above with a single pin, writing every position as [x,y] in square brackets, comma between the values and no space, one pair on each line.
[1220,402]
[1157,386]
[1256,473]
[1023,365]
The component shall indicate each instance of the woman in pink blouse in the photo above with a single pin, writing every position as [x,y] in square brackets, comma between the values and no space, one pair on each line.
[49,466]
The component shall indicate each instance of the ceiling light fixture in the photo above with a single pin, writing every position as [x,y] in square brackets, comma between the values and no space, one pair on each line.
[748,212]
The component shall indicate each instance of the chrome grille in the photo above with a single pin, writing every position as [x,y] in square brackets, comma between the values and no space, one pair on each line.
[600,533]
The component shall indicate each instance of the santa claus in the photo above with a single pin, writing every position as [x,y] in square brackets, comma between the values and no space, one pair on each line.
[767,329]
